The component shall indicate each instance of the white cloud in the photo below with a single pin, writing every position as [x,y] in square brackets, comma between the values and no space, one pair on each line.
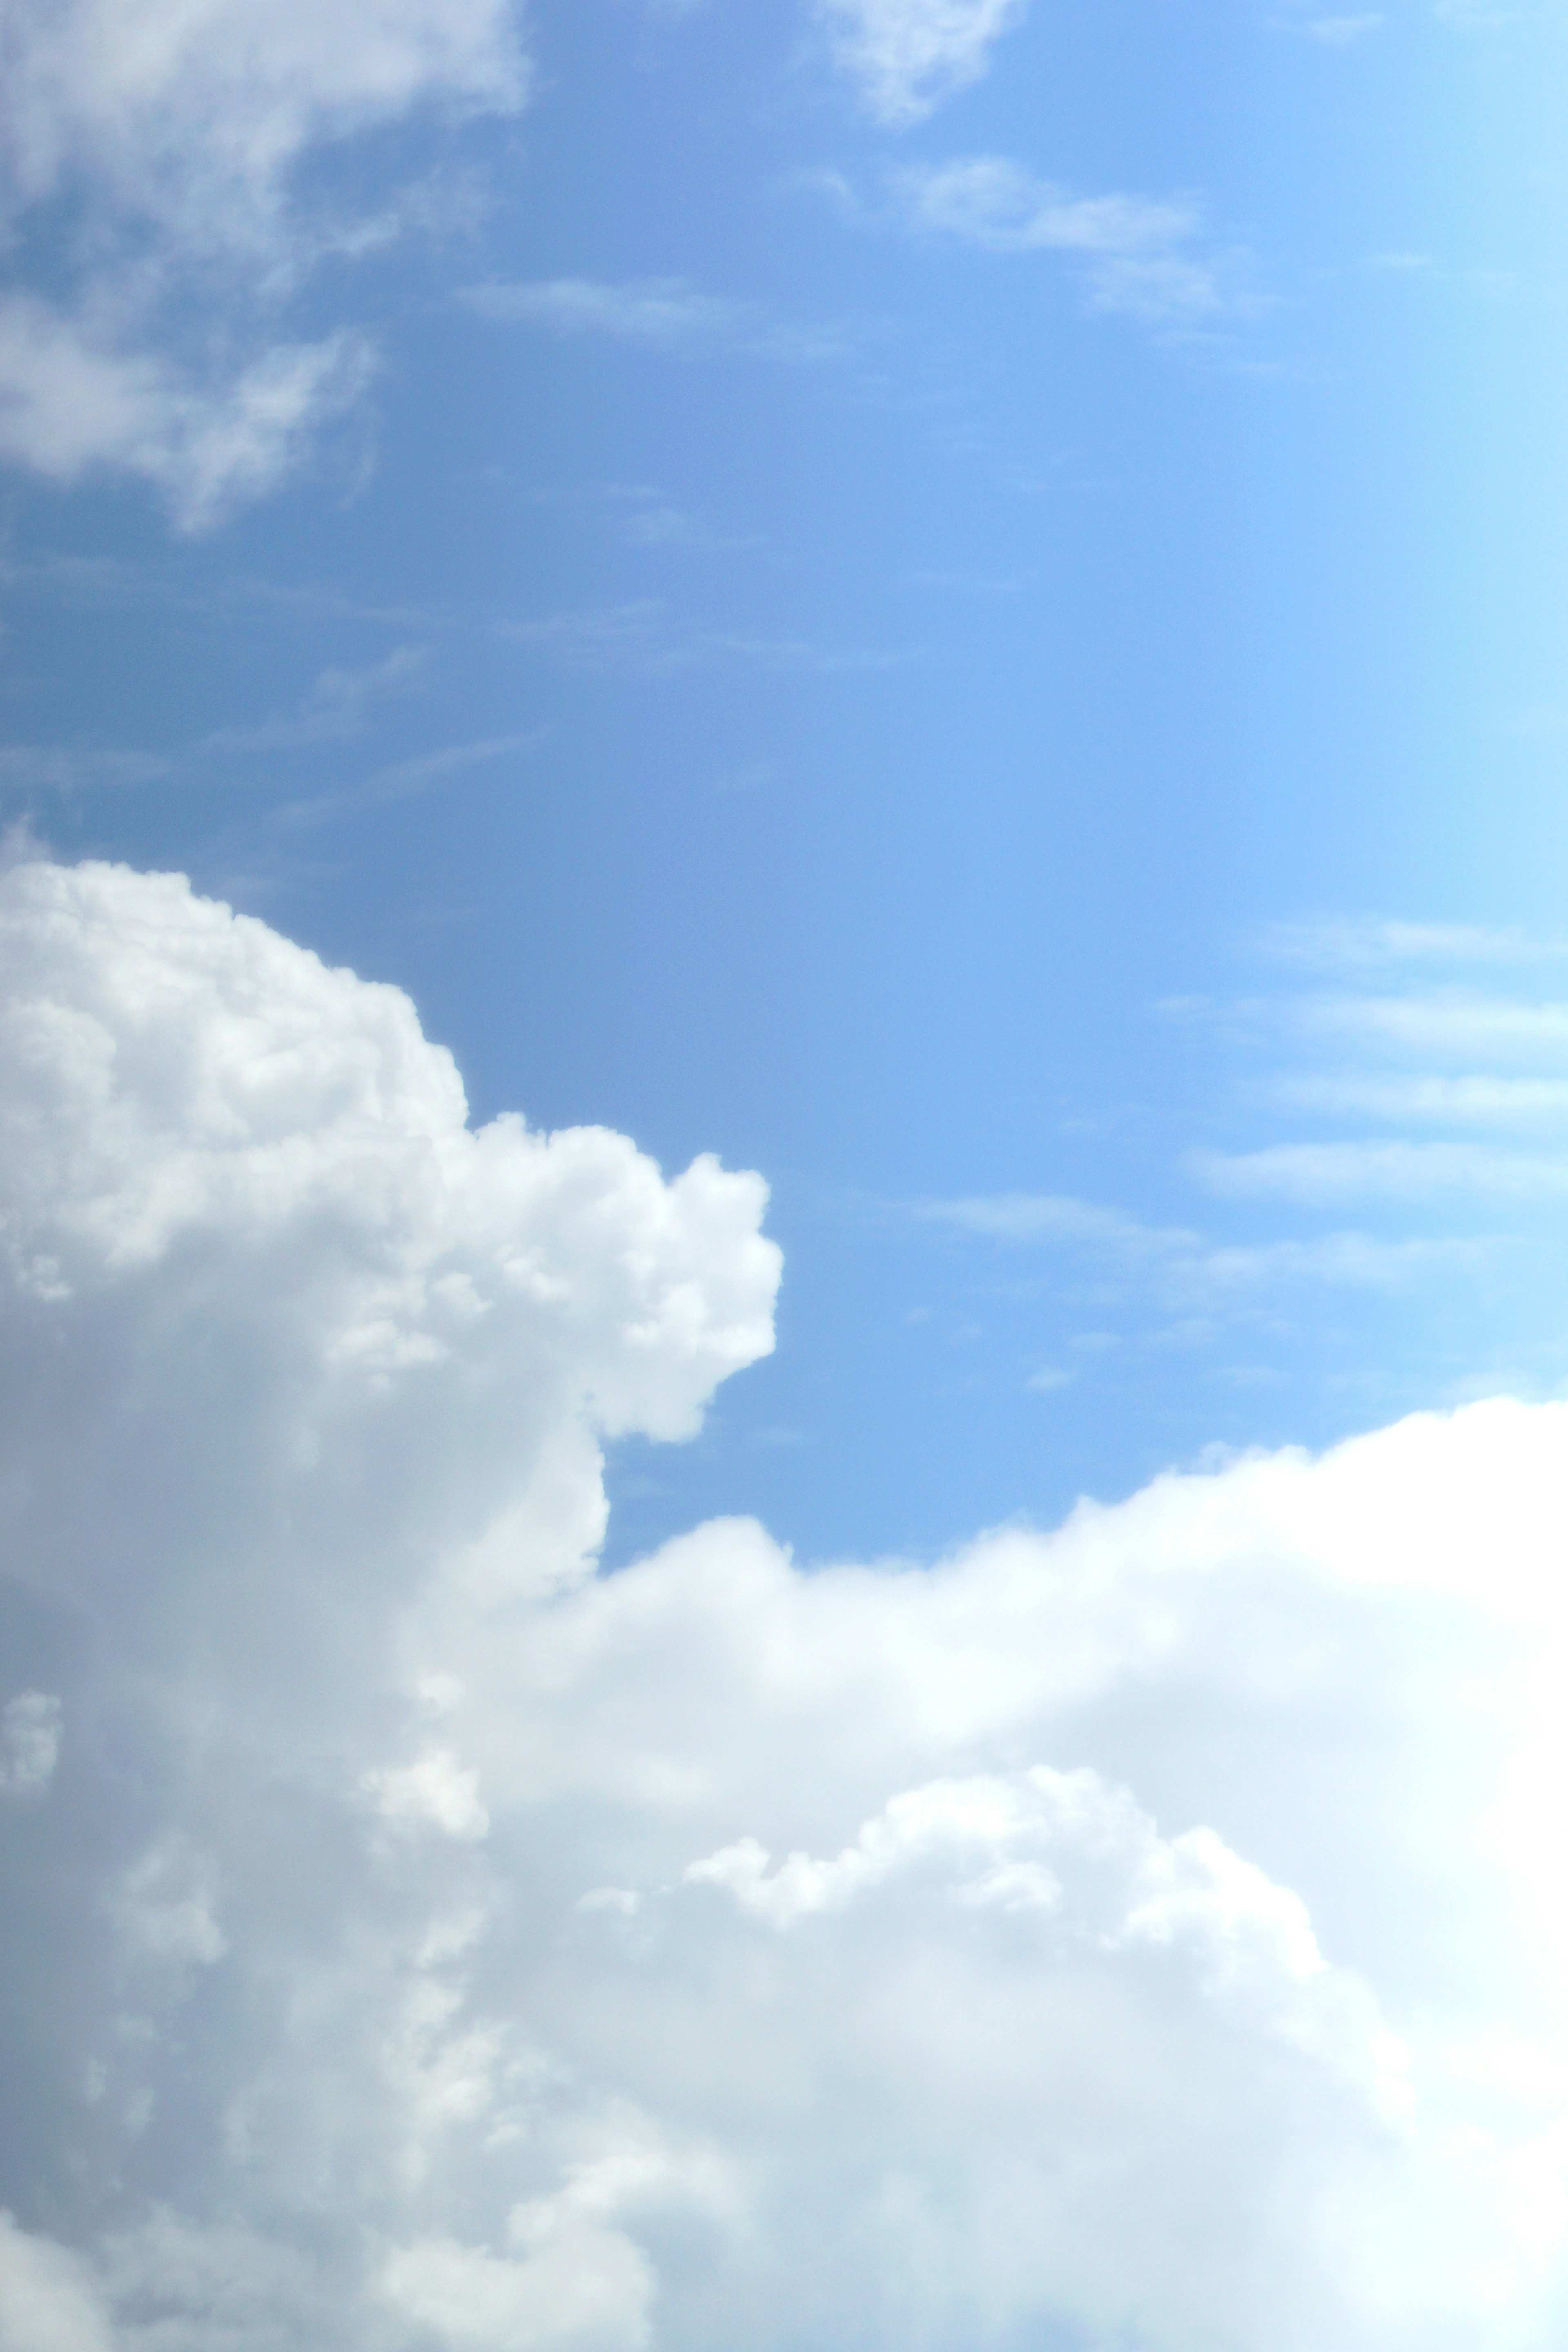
[664,314]
[1168,1936]
[49,767]
[1453,1022]
[1141,257]
[433,1791]
[908,55]
[1396,1171]
[1344,32]
[590,2290]
[1187,1267]
[663,311]
[172,135]
[335,707]
[74,401]
[1381,941]
[29,1743]
[46,2298]
[166,1904]
[1463,1101]
[195,115]
[646,640]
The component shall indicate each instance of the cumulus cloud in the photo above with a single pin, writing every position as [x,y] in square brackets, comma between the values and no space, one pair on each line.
[909,55]
[1155,1929]
[169,139]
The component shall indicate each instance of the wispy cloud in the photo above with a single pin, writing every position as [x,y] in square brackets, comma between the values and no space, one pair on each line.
[76,400]
[1146,257]
[163,171]
[1320,1175]
[61,768]
[644,516]
[1343,32]
[664,314]
[336,707]
[646,639]
[1443,1024]
[1427,1098]
[908,55]
[1417,1073]
[407,778]
[1371,940]
[1183,1267]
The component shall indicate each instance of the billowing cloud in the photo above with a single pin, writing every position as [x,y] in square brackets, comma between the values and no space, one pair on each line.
[169,139]
[909,55]
[1152,1930]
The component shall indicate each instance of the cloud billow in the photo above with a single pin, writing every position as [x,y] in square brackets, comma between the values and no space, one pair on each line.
[1151,1929]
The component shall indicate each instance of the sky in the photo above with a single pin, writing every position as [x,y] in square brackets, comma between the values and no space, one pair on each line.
[783,1005]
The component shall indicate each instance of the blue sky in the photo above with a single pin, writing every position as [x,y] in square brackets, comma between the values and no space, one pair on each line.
[960,603]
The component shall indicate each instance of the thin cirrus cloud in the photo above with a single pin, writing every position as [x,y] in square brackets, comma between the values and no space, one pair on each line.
[1418,1074]
[645,638]
[1001,1948]
[1179,1268]
[664,314]
[907,55]
[175,144]
[1378,1169]
[1422,1119]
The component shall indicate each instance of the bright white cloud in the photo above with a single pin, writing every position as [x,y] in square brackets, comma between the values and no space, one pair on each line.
[1156,1928]
[175,132]
[909,55]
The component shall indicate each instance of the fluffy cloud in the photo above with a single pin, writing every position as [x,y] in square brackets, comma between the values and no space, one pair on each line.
[165,141]
[1154,1930]
[909,55]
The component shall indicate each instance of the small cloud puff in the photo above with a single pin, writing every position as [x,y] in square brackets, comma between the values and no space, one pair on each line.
[908,55]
